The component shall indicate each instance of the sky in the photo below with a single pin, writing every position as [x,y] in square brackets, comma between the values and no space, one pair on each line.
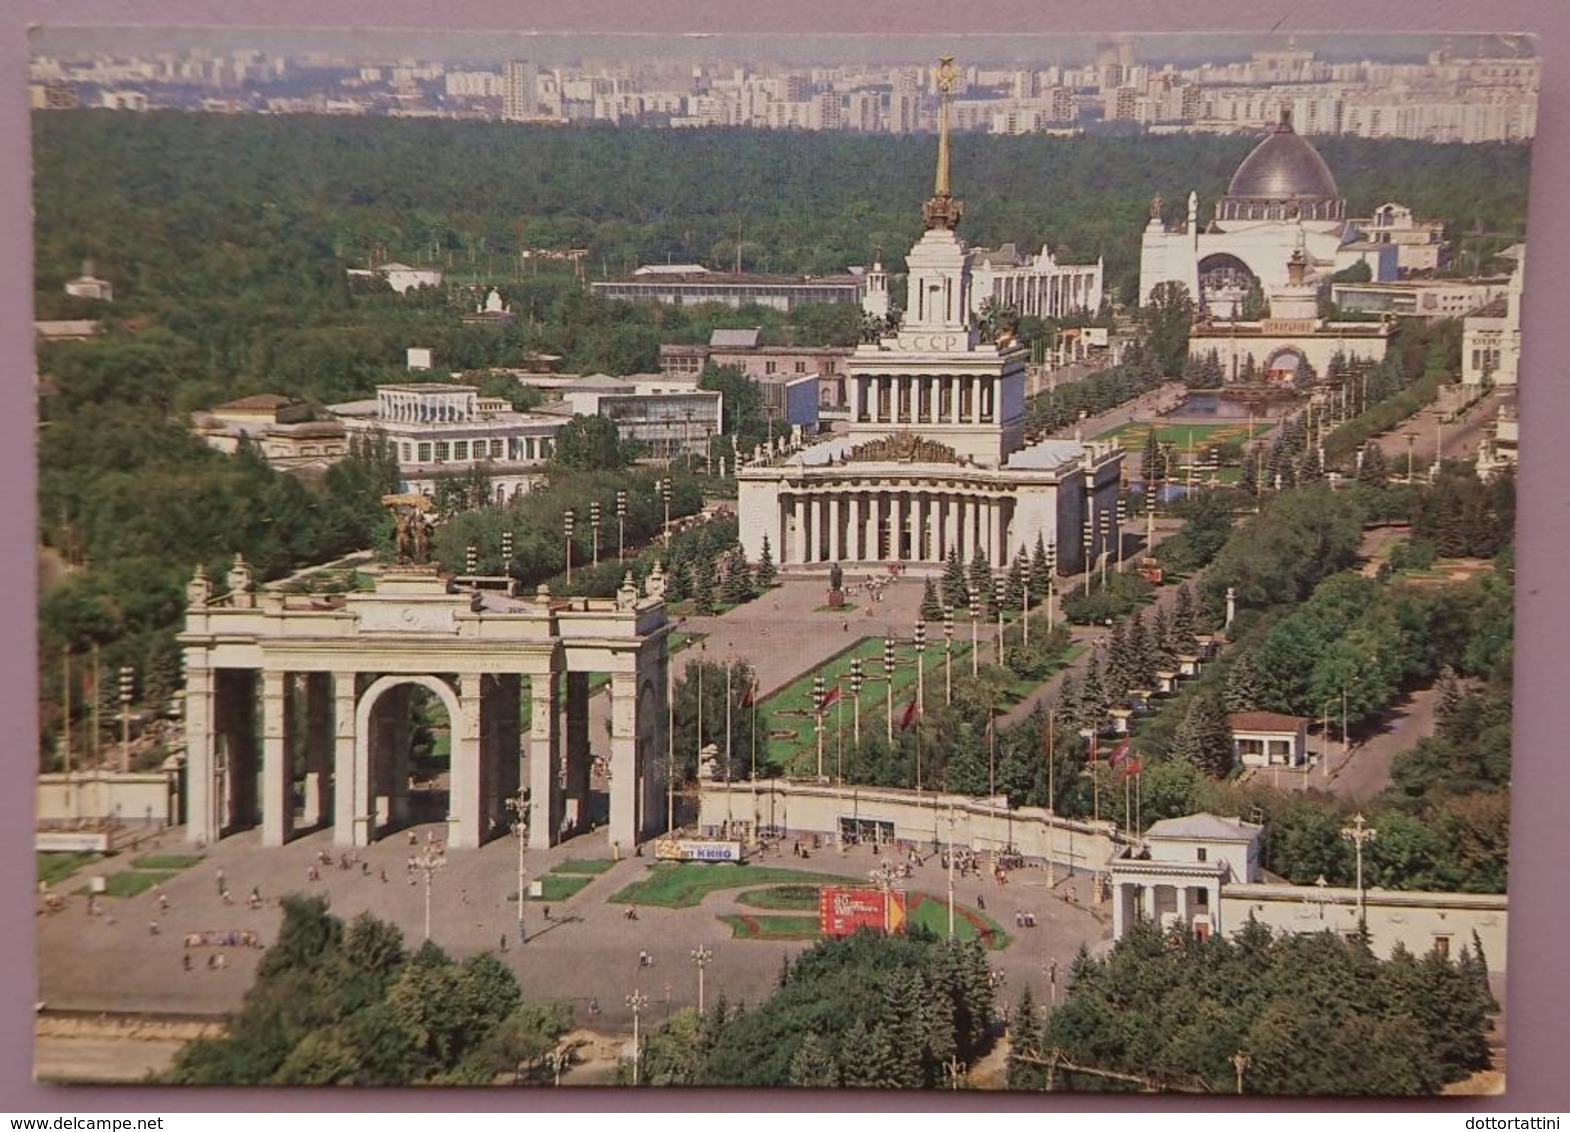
[808,50]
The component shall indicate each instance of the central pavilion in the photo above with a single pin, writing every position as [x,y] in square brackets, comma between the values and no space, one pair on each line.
[935,458]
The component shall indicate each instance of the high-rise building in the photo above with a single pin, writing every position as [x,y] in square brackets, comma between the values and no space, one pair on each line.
[520,90]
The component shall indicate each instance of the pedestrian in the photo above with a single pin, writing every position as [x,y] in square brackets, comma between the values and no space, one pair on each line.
[547,911]
[212,962]
[504,941]
[152,928]
[1019,919]
[414,838]
[256,893]
[384,876]
[365,868]
[186,959]
[981,901]
[163,902]
[222,888]
[643,959]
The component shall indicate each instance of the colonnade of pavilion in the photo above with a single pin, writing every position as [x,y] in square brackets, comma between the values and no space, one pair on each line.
[1045,296]
[853,524]
[922,399]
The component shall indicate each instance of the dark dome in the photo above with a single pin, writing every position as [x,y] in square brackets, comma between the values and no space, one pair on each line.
[1284,166]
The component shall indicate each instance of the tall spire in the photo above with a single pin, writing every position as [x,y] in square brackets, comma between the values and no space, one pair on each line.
[943,211]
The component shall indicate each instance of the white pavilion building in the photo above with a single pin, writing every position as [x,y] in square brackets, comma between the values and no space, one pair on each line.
[934,457]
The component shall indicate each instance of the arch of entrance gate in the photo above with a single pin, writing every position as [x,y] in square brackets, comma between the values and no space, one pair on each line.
[334,676]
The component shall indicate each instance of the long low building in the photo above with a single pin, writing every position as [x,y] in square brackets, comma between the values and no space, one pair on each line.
[684,284]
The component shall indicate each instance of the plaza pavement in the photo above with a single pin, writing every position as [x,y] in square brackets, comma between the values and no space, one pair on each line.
[587,951]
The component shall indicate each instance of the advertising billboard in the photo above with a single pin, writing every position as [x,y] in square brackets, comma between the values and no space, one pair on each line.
[843,910]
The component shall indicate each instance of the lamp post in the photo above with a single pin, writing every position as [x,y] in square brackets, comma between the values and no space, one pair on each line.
[998,586]
[818,695]
[855,692]
[1359,833]
[1411,439]
[637,1000]
[665,494]
[1089,539]
[884,877]
[951,870]
[621,524]
[975,648]
[127,682]
[921,669]
[1122,522]
[429,861]
[701,958]
[948,656]
[888,678]
[507,552]
[1052,573]
[471,560]
[594,528]
[567,518]
[519,805]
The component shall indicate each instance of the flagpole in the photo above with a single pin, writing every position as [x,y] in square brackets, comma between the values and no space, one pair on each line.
[1052,819]
[752,702]
[728,817]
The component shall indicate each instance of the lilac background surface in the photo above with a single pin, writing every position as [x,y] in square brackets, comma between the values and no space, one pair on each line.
[1540,914]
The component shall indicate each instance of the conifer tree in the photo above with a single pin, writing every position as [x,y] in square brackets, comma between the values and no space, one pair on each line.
[1203,737]
[1040,573]
[1120,667]
[1143,659]
[1244,691]
[931,607]
[703,585]
[979,580]
[737,584]
[1374,468]
[1093,700]
[767,574]
[1185,620]
[955,592]
[1014,589]
[813,1066]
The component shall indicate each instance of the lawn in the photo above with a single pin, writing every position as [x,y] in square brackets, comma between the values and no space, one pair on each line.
[168,862]
[932,913]
[782,898]
[132,883]
[799,751]
[55,867]
[556,886]
[594,866]
[685,885]
[797,695]
[772,927]
[1131,437]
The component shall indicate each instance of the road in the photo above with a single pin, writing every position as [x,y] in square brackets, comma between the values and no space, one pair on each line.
[1461,438]
[1366,771]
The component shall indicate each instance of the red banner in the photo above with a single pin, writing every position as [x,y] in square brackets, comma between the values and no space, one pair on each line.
[842,910]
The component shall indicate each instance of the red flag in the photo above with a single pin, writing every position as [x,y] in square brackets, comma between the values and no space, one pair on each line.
[1119,753]
[750,696]
[828,700]
[911,711]
[1132,769]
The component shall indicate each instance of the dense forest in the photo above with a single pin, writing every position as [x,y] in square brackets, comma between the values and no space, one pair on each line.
[274,199]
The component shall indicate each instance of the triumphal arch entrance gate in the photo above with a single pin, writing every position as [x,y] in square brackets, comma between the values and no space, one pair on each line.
[297,706]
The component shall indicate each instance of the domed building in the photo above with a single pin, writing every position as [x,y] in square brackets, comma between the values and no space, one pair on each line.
[1282,197]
